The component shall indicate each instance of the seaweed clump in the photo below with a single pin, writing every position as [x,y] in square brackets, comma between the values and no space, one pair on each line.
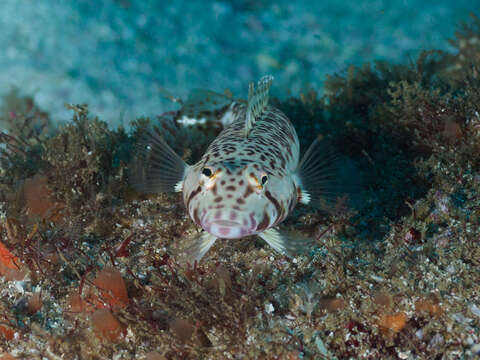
[94,156]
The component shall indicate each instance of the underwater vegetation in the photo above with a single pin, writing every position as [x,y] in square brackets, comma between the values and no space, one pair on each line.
[87,266]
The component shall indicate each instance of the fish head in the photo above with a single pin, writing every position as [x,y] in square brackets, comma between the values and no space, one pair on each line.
[234,200]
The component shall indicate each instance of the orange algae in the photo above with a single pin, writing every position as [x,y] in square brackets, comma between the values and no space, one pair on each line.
[9,260]
[39,199]
[77,305]
[9,264]
[332,305]
[112,288]
[34,303]
[428,306]
[154,355]
[7,356]
[383,299]
[182,329]
[6,332]
[105,325]
[394,323]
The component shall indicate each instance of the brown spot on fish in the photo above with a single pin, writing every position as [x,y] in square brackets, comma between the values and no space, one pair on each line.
[230,188]
[264,223]
[195,216]
[275,203]
[240,201]
[252,220]
[218,199]
[289,150]
[248,191]
[299,194]
[193,194]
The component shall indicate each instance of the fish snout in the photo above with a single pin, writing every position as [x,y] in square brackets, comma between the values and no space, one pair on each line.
[232,227]
[226,229]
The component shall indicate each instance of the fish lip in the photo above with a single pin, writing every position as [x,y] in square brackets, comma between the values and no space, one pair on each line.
[226,229]
[225,223]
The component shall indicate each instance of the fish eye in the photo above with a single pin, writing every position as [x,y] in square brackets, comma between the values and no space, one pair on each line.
[264,179]
[207,172]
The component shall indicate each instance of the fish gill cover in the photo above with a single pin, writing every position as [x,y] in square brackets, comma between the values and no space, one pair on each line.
[395,275]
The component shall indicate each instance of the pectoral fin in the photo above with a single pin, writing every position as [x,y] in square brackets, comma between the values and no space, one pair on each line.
[317,176]
[156,167]
[199,246]
[286,244]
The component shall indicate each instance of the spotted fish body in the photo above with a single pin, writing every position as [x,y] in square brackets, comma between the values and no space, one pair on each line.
[235,203]
[249,179]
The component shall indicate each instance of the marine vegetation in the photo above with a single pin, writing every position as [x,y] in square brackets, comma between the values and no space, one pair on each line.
[90,269]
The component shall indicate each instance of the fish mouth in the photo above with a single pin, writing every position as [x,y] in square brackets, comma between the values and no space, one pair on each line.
[226,229]
[227,223]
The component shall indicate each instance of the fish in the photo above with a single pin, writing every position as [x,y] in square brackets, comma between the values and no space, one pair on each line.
[249,179]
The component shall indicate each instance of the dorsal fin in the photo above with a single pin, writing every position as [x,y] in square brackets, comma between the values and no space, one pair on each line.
[257,101]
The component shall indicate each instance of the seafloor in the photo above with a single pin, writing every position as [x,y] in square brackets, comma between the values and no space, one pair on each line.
[88,264]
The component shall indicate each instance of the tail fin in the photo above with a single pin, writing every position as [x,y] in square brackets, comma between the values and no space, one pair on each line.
[156,167]
[257,101]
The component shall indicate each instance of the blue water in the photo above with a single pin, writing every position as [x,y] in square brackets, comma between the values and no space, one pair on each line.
[117,54]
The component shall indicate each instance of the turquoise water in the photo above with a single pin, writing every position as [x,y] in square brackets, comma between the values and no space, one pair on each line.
[117,54]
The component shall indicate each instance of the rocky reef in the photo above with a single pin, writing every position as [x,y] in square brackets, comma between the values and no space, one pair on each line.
[87,266]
